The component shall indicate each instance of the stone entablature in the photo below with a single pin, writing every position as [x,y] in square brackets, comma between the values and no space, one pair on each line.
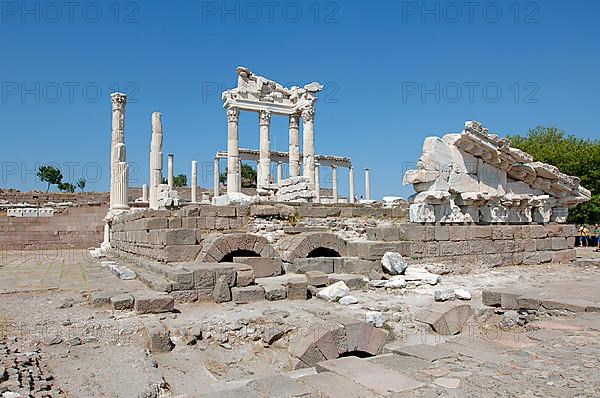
[475,176]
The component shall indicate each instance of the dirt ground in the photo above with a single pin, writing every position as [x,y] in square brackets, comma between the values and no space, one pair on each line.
[54,343]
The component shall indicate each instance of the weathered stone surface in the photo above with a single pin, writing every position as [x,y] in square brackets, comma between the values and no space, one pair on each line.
[333,385]
[296,288]
[303,265]
[316,278]
[334,292]
[222,291]
[100,298]
[424,351]
[274,291]
[248,294]
[244,275]
[157,336]
[354,282]
[152,303]
[446,320]
[263,267]
[393,263]
[185,296]
[444,295]
[122,301]
[348,300]
[279,386]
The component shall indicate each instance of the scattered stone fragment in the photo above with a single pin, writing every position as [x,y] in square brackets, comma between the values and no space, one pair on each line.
[347,300]
[444,295]
[75,341]
[334,292]
[248,294]
[462,294]
[377,283]
[157,336]
[273,333]
[375,318]
[317,278]
[393,263]
[274,292]
[446,318]
[222,293]
[54,340]
[447,382]
[100,299]
[122,301]
[421,274]
[509,320]
[153,303]
[395,284]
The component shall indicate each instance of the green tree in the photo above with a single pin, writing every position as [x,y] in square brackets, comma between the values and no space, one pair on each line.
[50,175]
[180,180]
[248,176]
[66,187]
[574,156]
[81,184]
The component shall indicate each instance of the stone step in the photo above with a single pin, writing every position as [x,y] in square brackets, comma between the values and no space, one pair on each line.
[374,377]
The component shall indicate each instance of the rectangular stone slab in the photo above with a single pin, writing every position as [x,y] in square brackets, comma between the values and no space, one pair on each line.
[335,386]
[370,375]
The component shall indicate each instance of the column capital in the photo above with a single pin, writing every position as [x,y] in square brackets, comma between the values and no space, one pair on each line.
[118,101]
[308,114]
[233,114]
[295,120]
[264,117]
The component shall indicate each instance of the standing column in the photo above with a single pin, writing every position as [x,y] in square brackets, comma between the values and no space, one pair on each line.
[294,154]
[279,171]
[239,176]
[144,193]
[156,159]
[194,181]
[317,175]
[233,150]
[170,171]
[264,162]
[308,144]
[335,183]
[367,184]
[351,177]
[119,167]
[216,178]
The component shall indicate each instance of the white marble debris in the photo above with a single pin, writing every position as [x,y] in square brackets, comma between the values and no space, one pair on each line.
[348,300]
[422,275]
[444,295]
[233,198]
[334,292]
[395,284]
[462,294]
[475,176]
[393,263]
[375,318]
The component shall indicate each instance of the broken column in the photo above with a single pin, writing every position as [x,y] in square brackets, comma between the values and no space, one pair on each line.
[351,182]
[264,162]
[367,184]
[156,159]
[170,176]
[216,178]
[233,151]
[194,182]
[279,171]
[119,200]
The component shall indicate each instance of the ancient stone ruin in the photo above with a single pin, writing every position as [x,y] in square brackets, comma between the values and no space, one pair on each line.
[477,177]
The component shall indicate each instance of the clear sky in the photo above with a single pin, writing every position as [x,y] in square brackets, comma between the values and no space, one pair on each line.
[394,72]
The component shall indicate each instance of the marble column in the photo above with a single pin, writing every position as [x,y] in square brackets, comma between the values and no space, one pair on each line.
[233,151]
[144,193]
[279,171]
[119,168]
[367,184]
[216,177]
[334,183]
[294,150]
[264,162]
[156,159]
[317,176]
[170,176]
[351,182]
[239,176]
[194,183]
[308,144]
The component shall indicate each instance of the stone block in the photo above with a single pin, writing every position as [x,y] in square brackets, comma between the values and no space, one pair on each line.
[180,253]
[564,256]
[226,269]
[152,303]
[263,266]
[457,232]
[442,232]
[534,231]
[316,278]
[559,243]
[205,294]
[222,292]
[185,296]
[451,248]
[180,237]
[423,351]
[122,301]
[100,298]
[372,250]
[274,292]
[355,265]
[354,282]
[303,265]
[535,258]
[278,386]
[386,234]
[157,336]
[446,319]
[183,279]
[204,275]
[296,288]
[244,276]
[335,386]
[248,294]
[509,300]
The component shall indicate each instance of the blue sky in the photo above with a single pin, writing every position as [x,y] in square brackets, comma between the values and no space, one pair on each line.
[394,72]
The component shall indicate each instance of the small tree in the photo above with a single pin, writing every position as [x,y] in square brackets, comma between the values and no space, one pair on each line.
[66,187]
[50,175]
[81,184]
[248,176]
[180,180]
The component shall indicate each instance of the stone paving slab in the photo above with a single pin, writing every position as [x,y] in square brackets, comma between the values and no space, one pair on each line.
[332,385]
[372,376]
[279,386]
[423,351]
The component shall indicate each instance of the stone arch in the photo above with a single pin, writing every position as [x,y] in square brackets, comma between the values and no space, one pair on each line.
[325,342]
[223,247]
[305,244]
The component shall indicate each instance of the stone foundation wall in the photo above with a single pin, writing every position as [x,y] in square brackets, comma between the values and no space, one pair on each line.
[78,227]
[197,231]
[34,198]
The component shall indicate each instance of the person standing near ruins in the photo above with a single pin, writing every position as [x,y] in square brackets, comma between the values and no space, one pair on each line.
[584,235]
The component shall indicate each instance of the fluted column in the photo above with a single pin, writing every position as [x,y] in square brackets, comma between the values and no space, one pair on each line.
[216,178]
[308,144]
[118,158]
[170,176]
[233,151]
[351,182]
[335,183]
[264,162]
[317,176]
[194,183]
[294,151]
[144,193]
[279,171]
[156,159]
[367,184]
